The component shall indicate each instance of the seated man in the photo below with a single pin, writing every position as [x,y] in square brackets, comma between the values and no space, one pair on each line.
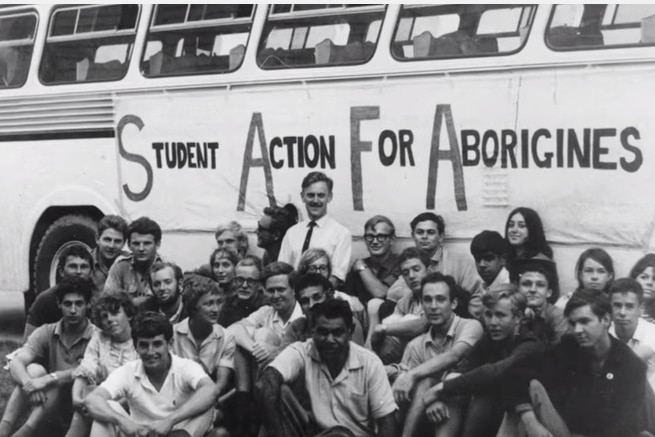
[166,283]
[246,292]
[346,384]
[488,375]
[427,358]
[489,250]
[166,395]
[388,339]
[45,392]
[590,384]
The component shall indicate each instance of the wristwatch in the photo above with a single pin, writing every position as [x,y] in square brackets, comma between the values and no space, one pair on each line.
[53,376]
[362,268]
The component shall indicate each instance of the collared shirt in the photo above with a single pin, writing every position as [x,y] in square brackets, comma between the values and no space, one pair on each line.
[49,345]
[328,234]
[475,302]
[387,272]
[268,317]
[644,336]
[103,356]
[124,276]
[146,403]
[409,305]
[424,347]
[100,270]
[361,390]
[217,350]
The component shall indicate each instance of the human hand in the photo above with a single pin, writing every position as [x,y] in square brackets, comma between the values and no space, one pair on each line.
[262,352]
[402,387]
[432,395]
[133,429]
[37,398]
[358,264]
[35,384]
[159,428]
[534,428]
[437,412]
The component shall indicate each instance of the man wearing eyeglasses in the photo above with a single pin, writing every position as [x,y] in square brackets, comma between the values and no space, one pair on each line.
[247,289]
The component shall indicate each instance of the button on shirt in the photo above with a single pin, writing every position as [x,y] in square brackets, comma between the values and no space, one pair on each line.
[267,317]
[217,350]
[328,235]
[102,351]
[123,276]
[146,403]
[644,335]
[360,392]
[48,344]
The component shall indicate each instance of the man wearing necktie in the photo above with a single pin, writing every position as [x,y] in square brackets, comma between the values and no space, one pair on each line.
[318,230]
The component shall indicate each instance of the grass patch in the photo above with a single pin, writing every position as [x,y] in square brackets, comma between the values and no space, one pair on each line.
[6,383]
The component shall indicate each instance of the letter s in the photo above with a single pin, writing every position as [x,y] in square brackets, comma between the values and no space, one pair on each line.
[133,157]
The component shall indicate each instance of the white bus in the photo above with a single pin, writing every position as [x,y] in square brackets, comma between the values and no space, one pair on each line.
[199,114]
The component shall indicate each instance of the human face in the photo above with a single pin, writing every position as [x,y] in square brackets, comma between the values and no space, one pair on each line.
[320,266]
[488,266]
[594,275]
[587,327]
[517,230]
[331,337]
[426,236]
[535,288]
[246,282]
[437,305]
[144,247]
[500,321]
[154,353]
[280,294]
[316,198]
[228,239]
[310,296]
[413,271]
[378,239]
[73,309]
[223,270]
[76,266]
[165,286]
[116,325]
[625,311]
[265,236]
[647,281]
[110,243]
[208,307]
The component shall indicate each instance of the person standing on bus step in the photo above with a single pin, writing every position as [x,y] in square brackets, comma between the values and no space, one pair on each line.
[43,367]
[73,261]
[489,250]
[271,229]
[110,239]
[319,229]
[130,273]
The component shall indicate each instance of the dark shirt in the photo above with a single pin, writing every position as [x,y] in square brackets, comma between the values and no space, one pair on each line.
[607,404]
[44,309]
[235,309]
[549,326]
[492,367]
[387,273]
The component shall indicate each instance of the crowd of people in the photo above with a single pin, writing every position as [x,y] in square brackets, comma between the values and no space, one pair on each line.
[305,341]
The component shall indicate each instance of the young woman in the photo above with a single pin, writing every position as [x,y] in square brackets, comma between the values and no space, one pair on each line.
[644,273]
[272,227]
[594,270]
[525,234]
[223,262]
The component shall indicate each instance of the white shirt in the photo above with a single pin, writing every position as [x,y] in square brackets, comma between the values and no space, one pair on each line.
[328,235]
[644,336]
[267,317]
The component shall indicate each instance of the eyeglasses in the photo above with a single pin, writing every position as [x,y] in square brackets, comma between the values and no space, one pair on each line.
[380,237]
[316,269]
[250,282]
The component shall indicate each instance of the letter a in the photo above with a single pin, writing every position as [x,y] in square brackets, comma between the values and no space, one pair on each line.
[248,162]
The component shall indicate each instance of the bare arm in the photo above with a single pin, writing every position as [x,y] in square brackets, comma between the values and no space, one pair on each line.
[407,328]
[201,400]
[29,329]
[387,426]
[100,410]
[223,376]
[79,385]
[373,285]
[241,335]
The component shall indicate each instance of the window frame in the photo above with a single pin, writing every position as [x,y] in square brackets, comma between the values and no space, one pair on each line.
[22,42]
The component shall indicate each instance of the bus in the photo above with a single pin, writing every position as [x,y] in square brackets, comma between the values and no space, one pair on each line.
[195,115]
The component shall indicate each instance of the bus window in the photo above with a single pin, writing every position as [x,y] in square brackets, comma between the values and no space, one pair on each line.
[16,43]
[196,39]
[319,34]
[581,26]
[89,43]
[447,31]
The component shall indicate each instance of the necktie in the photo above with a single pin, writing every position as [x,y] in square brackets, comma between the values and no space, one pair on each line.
[308,237]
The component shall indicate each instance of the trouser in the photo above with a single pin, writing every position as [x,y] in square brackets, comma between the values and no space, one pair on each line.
[483,417]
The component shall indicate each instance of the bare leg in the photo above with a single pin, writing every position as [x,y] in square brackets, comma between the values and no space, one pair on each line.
[373,307]
[546,412]
[416,410]
[17,405]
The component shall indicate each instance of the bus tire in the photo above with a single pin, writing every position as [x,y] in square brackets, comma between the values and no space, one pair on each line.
[64,232]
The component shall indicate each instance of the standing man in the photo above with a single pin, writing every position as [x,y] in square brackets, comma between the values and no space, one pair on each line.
[45,391]
[110,239]
[130,273]
[318,230]
[346,383]
[489,250]
[166,395]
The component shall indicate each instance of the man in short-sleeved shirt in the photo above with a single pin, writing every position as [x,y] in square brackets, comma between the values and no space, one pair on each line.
[216,350]
[346,383]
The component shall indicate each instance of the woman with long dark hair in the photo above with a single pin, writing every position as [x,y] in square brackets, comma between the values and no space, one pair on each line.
[524,232]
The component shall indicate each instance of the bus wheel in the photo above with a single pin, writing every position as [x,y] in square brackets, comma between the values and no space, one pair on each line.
[67,231]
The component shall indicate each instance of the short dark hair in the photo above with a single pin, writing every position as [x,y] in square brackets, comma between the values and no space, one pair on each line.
[454,292]
[150,324]
[334,309]
[411,253]
[370,223]
[114,222]
[597,301]
[225,252]
[143,226]
[282,217]
[312,280]
[276,268]
[432,217]
[110,302]
[179,275]
[75,284]
[626,285]
[506,291]
[74,251]
[317,176]
[195,287]
[489,242]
